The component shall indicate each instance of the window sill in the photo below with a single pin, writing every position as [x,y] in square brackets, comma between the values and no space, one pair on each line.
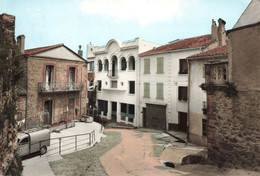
[131,70]
[159,99]
[183,101]
[160,73]
[131,94]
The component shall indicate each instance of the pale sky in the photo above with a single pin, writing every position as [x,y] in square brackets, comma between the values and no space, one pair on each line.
[79,22]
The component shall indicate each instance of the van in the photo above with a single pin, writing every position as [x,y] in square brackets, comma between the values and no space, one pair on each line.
[33,141]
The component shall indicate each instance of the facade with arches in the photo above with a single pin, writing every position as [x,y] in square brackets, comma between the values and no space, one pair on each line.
[116,70]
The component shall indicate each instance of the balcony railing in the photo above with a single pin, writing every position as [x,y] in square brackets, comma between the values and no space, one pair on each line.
[112,74]
[59,87]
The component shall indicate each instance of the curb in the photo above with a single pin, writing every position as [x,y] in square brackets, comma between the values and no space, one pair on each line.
[175,137]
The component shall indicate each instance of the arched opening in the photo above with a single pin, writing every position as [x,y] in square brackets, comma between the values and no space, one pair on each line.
[123,63]
[99,65]
[106,65]
[114,66]
[131,63]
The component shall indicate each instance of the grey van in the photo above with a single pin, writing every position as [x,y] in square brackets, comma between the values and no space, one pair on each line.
[33,141]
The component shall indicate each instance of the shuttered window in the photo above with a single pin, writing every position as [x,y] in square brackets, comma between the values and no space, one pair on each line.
[159,91]
[146,66]
[160,65]
[146,90]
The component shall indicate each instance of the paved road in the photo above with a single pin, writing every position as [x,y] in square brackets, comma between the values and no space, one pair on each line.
[134,156]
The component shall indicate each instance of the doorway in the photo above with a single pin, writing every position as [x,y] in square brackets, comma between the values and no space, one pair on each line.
[72,77]
[114,111]
[48,112]
[71,107]
[183,121]
[144,117]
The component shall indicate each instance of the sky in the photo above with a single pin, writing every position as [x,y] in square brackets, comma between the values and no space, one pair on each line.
[79,22]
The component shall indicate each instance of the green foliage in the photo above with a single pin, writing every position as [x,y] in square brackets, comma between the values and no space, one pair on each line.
[11,71]
[207,87]
[230,90]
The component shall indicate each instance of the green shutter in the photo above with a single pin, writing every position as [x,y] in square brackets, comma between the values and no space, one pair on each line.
[160,65]
[146,90]
[147,66]
[159,90]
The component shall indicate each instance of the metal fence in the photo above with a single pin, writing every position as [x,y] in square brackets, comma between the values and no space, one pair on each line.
[61,145]
[69,144]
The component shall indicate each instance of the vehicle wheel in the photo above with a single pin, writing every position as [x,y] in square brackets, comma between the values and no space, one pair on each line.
[43,150]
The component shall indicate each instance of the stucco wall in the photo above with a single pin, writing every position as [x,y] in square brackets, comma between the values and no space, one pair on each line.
[244,54]
[171,80]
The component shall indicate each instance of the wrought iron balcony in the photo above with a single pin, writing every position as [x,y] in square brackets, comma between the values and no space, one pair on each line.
[59,87]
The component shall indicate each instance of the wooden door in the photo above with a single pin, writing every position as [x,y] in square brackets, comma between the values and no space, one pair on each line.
[71,107]
[183,121]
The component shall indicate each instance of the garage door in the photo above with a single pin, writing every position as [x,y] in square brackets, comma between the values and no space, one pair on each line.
[155,116]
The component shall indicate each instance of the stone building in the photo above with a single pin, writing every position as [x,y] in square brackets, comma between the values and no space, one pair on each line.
[234,108]
[197,103]
[8,127]
[55,85]
[115,69]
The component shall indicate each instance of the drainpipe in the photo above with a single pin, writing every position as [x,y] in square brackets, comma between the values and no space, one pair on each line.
[27,87]
[188,125]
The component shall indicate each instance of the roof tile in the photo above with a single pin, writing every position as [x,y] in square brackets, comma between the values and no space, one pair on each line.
[42,49]
[182,44]
[214,52]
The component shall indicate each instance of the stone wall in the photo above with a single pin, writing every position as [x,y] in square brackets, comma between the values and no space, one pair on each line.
[233,129]
[8,130]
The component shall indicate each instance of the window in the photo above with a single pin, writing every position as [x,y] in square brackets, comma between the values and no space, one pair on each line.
[159,90]
[123,111]
[106,65]
[131,63]
[183,93]
[131,87]
[99,65]
[114,66]
[146,90]
[102,106]
[99,86]
[160,65]
[147,66]
[131,113]
[25,141]
[113,84]
[183,66]
[127,110]
[123,64]
[72,78]
[91,66]
[204,127]
[49,77]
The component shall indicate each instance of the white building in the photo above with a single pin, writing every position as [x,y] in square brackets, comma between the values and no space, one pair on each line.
[197,108]
[164,83]
[116,71]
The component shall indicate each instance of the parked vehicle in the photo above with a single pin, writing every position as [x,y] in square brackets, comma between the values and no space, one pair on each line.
[33,141]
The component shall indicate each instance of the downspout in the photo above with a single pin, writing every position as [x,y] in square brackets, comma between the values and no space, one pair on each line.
[80,94]
[188,125]
[27,87]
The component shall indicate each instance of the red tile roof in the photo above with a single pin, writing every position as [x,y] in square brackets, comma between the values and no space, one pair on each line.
[42,49]
[182,44]
[214,52]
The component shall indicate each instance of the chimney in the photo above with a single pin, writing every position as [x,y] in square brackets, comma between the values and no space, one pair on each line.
[21,43]
[214,30]
[80,52]
[222,36]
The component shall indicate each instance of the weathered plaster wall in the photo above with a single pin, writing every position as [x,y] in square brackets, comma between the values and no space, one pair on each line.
[244,54]
[37,75]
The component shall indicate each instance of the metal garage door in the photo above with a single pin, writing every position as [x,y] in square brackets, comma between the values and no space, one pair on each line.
[155,116]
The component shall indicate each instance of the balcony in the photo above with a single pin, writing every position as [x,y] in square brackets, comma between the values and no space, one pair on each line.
[44,87]
[112,74]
